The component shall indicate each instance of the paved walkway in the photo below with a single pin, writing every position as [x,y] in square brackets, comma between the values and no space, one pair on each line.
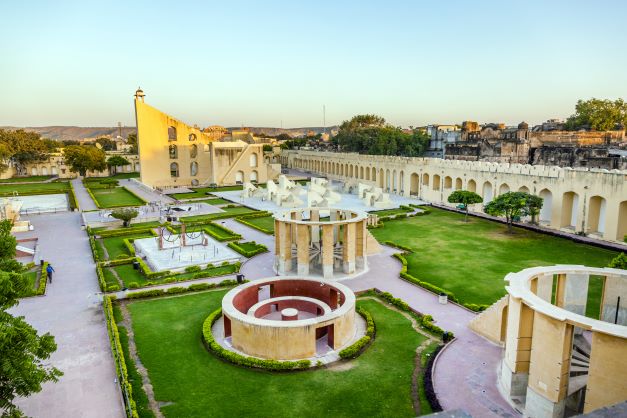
[71,311]
[145,193]
[466,373]
[85,202]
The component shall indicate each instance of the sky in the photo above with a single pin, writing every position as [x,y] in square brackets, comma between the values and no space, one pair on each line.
[276,63]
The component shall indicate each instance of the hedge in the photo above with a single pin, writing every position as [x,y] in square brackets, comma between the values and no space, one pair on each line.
[426,285]
[243,219]
[72,198]
[230,235]
[118,356]
[94,250]
[426,321]
[124,231]
[358,346]
[240,360]
[43,280]
[193,288]
[260,248]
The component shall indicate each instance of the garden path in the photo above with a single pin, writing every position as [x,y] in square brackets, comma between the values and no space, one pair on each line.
[144,193]
[72,312]
[85,202]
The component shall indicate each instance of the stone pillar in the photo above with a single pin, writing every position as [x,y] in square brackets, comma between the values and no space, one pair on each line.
[560,290]
[302,249]
[549,368]
[314,216]
[327,251]
[333,216]
[349,248]
[613,289]
[606,375]
[360,250]
[285,259]
[515,365]
[277,244]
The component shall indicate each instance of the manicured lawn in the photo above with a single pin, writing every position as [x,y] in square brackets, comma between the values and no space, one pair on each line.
[215,201]
[25,179]
[35,188]
[266,222]
[202,192]
[222,234]
[197,384]
[471,259]
[151,224]
[238,210]
[115,197]
[115,245]
[121,176]
[129,275]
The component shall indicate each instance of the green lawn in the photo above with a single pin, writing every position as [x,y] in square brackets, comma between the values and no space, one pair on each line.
[266,222]
[202,192]
[195,383]
[471,259]
[35,188]
[115,197]
[214,201]
[129,275]
[115,245]
[390,212]
[238,210]
[25,179]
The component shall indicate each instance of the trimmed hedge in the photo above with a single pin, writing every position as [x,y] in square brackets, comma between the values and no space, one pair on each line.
[360,345]
[426,321]
[260,248]
[43,280]
[124,231]
[72,198]
[192,288]
[244,361]
[94,250]
[426,285]
[118,355]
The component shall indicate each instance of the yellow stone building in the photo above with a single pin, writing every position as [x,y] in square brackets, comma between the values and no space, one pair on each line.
[174,154]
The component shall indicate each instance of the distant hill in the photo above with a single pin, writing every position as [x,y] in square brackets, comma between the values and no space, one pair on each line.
[76,133]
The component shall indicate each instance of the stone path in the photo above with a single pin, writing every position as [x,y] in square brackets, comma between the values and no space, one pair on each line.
[465,375]
[71,311]
[85,202]
[146,194]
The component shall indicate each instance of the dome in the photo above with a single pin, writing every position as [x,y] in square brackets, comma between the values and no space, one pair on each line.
[523,125]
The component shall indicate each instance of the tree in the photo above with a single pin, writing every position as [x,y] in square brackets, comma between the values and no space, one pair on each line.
[116,161]
[465,198]
[81,158]
[125,215]
[534,204]
[110,183]
[598,114]
[107,144]
[619,262]
[22,350]
[511,205]
[7,248]
[267,148]
[21,148]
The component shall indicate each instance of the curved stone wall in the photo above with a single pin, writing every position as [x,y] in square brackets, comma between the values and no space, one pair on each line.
[259,320]
[321,242]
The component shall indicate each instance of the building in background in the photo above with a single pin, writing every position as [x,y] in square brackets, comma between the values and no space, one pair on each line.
[440,137]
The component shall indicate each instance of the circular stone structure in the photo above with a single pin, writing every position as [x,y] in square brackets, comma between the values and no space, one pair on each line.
[557,359]
[321,242]
[289,318]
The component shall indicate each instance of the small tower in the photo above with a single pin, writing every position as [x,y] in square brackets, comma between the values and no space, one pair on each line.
[139,94]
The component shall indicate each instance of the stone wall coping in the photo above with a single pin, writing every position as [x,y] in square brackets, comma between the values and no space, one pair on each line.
[229,309]
[520,288]
[324,306]
[284,216]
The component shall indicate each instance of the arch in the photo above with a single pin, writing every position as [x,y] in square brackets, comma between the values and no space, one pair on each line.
[193,151]
[425,181]
[191,137]
[458,183]
[524,189]
[472,186]
[448,182]
[171,133]
[239,177]
[504,313]
[174,170]
[253,176]
[253,160]
[394,181]
[570,202]
[173,151]
[596,214]
[44,171]
[381,178]
[387,179]
[414,182]
[193,168]
[487,192]
[367,173]
[547,206]
[374,174]
[361,173]
[504,188]
[621,224]
[33,171]
[401,181]
[436,181]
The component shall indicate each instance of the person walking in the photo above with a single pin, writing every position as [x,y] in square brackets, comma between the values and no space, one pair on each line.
[49,270]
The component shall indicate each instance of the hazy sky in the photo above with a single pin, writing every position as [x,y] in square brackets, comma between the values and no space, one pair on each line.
[258,63]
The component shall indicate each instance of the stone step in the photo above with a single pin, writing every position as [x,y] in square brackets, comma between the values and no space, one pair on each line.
[577,382]
[582,345]
[579,363]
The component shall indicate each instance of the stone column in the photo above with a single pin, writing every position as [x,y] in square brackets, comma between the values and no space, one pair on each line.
[285,259]
[549,367]
[515,365]
[333,216]
[327,251]
[349,248]
[302,248]
[314,216]
[277,244]
[606,375]
[360,250]
[613,289]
